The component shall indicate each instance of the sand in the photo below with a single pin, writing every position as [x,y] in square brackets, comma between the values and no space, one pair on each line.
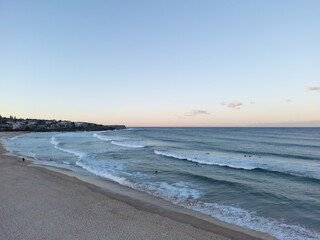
[38,203]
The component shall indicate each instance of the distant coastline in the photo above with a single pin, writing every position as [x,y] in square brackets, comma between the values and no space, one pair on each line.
[43,125]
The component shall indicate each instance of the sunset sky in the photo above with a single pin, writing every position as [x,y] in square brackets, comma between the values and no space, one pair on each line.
[162,63]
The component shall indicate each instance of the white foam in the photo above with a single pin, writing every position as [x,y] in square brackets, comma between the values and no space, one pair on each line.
[129,144]
[180,190]
[247,163]
[102,173]
[13,138]
[120,141]
[56,143]
[102,137]
[55,164]
[128,129]
[210,160]
[184,195]
[9,154]
[244,218]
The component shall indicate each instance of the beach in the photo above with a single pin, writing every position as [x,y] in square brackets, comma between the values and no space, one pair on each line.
[37,203]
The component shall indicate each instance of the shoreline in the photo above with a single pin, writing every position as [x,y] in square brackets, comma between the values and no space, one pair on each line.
[196,225]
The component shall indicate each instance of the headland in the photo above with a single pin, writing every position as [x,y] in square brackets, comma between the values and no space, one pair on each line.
[42,125]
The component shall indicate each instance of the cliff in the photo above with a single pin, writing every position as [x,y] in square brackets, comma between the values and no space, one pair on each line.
[41,125]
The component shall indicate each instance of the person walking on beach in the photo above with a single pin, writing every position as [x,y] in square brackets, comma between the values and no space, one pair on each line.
[22,159]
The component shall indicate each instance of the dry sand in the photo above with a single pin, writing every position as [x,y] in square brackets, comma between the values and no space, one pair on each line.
[37,203]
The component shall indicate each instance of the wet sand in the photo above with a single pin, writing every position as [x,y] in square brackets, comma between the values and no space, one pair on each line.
[48,203]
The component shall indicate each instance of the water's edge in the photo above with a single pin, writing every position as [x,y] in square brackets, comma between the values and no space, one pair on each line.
[146,202]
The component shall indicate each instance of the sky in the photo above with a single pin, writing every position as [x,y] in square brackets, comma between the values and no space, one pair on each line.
[162,63]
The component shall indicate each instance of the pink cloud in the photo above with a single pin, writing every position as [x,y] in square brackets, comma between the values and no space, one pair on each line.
[313,89]
[235,105]
[288,100]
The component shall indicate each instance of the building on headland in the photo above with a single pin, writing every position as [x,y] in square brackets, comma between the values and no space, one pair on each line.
[41,125]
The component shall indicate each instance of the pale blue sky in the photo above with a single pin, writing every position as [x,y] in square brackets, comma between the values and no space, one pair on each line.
[156,63]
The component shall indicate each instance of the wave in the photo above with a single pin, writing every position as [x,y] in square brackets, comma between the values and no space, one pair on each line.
[261,153]
[185,195]
[188,195]
[104,174]
[272,143]
[209,160]
[107,138]
[120,141]
[14,148]
[241,217]
[247,164]
[179,190]
[130,144]
[56,164]
[102,137]
[128,129]
[56,144]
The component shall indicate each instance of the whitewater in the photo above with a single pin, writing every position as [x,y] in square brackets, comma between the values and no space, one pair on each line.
[265,179]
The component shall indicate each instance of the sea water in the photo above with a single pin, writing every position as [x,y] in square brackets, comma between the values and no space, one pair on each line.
[265,179]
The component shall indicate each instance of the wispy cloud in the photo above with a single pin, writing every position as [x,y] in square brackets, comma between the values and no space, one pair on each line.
[288,100]
[196,112]
[252,102]
[235,105]
[223,103]
[313,89]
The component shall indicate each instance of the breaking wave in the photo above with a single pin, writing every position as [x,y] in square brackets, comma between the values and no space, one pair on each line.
[120,141]
[102,173]
[129,144]
[56,144]
[246,163]
[102,137]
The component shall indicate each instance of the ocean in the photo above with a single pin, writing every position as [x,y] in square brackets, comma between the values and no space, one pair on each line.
[265,179]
